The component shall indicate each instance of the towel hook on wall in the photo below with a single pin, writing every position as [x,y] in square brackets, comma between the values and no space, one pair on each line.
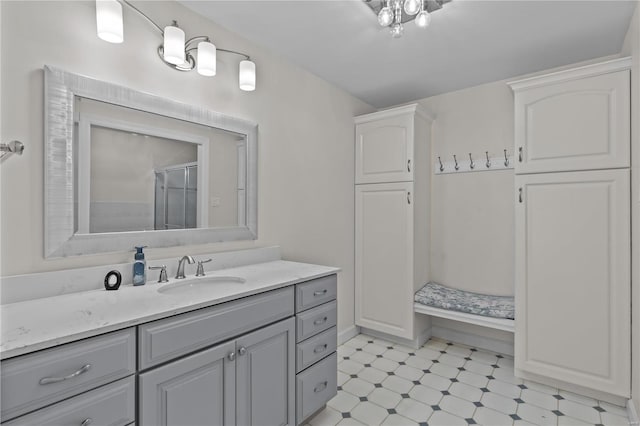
[488,163]
[441,166]
[472,165]
[457,167]
[506,159]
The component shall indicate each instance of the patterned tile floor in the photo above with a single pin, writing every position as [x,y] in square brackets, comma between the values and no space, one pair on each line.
[447,384]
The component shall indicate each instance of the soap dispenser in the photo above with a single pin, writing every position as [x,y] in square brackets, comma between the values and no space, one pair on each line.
[139,267]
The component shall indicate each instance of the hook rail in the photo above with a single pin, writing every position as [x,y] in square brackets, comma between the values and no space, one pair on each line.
[503,161]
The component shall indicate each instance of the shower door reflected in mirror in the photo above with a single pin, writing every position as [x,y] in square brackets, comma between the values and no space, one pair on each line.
[139,171]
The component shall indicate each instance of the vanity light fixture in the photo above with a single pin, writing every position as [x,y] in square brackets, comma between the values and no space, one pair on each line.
[180,54]
[390,13]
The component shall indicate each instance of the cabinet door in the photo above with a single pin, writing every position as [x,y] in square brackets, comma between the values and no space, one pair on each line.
[197,390]
[266,376]
[384,150]
[582,124]
[573,278]
[384,258]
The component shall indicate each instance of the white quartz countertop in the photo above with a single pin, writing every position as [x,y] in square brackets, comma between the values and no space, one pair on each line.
[42,323]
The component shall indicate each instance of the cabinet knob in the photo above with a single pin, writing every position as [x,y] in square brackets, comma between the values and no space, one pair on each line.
[231,356]
[320,348]
[320,387]
[242,350]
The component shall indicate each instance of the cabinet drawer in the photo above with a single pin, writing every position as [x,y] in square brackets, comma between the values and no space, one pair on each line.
[313,321]
[32,381]
[166,339]
[316,348]
[113,404]
[315,387]
[315,292]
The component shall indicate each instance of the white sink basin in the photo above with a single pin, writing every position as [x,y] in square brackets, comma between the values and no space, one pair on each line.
[199,285]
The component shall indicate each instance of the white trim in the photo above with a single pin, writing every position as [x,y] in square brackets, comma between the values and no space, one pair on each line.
[497,323]
[572,74]
[632,413]
[348,334]
[473,340]
[394,112]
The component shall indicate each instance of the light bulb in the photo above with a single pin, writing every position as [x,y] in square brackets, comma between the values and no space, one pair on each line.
[174,45]
[206,59]
[385,17]
[397,30]
[109,20]
[423,19]
[411,7]
[247,76]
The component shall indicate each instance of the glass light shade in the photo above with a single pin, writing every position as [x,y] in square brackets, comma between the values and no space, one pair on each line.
[247,76]
[206,59]
[397,30]
[174,45]
[385,16]
[423,19]
[411,7]
[109,20]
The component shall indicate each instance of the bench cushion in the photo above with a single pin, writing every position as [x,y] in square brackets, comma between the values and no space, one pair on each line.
[439,296]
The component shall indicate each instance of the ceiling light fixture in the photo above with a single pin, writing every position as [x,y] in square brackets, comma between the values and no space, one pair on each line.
[174,51]
[390,13]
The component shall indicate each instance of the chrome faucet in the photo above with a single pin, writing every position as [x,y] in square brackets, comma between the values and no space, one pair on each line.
[180,273]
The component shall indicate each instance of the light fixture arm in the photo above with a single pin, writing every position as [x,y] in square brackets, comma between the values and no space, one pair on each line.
[158,27]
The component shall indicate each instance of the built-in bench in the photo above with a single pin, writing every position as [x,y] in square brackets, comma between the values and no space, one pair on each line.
[496,312]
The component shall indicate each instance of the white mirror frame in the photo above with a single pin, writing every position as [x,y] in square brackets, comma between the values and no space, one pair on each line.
[60,88]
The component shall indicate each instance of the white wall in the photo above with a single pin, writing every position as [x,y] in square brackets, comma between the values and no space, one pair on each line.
[632,48]
[305,142]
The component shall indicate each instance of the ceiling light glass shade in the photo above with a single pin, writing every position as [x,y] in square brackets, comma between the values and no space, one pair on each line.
[174,45]
[423,19]
[206,59]
[385,17]
[411,7]
[247,76]
[109,20]
[397,30]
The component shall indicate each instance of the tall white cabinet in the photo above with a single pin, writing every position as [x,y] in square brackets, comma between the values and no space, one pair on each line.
[392,219]
[573,254]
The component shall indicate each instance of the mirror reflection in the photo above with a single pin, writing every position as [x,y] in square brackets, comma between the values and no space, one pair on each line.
[140,171]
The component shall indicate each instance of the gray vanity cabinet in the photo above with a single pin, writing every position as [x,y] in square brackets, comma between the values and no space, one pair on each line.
[195,390]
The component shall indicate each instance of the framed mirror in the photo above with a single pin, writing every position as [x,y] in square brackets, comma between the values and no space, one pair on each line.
[125,168]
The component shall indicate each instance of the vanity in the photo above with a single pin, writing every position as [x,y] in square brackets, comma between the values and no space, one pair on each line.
[258,350]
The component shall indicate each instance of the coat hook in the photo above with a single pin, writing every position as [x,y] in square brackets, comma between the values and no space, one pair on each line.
[471,163]
[506,159]
[457,167]
[488,163]
[441,166]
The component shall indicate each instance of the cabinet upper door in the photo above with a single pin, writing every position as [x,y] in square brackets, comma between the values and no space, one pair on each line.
[196,390]
[265,374]
[581,124]
[384,258]
[573,278]
[384,150]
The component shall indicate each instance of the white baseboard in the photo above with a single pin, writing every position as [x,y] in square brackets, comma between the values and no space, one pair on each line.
[416,343]
[348,334]
[632,413]
[470,339]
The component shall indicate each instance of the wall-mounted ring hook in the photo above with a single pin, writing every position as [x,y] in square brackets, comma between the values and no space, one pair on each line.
[457,167]
[441,166]
[472,165]
[506,159]
[488,163]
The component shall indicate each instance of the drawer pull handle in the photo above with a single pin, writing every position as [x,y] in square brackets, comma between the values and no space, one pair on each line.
[320,348]
[322,386]
[320,321]
[520,154]
[49,380]
[320,293]
[86,422]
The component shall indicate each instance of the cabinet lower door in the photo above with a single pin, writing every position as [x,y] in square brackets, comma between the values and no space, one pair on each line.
[266,376]
[573,278]
[384,258]
[197,390]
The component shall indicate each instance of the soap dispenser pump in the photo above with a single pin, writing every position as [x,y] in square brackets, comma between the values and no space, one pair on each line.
[139,267]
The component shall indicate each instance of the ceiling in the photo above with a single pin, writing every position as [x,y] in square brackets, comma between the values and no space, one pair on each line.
[469,42]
